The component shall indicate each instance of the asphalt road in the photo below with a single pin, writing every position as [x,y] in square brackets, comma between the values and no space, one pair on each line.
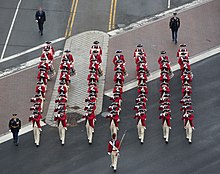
[202,156]
[90,15]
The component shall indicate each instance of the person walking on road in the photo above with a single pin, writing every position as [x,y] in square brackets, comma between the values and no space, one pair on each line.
[113,150]
[40,18]
[174,26]
[15,126]
[35,118]
[61,124]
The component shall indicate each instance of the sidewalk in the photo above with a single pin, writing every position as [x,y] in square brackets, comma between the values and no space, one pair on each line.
[199,30]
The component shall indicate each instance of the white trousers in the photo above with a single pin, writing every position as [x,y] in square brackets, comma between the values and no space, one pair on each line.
[113,128]
[89,131]
[188,131]
[61,132]
[36,131]
[114,159]
[140,129]
[166,131]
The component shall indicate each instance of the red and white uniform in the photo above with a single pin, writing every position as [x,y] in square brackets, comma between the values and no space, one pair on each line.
[161,58]
[62,89]
[90,121]
[113,150]
[141,125]
[166,126]
[49,57]
[137,51]
[43,65]
[61,124]
[142,90]
[40,89]
[96,47]
[36,127]
[118,57]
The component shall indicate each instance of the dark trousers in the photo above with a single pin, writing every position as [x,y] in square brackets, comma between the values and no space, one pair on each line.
[174,35]
[40,26]
[15,136]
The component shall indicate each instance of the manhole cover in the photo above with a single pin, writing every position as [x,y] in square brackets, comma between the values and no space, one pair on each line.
[104,114]
[74,107]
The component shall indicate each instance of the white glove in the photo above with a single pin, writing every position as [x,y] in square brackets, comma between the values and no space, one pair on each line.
[40,129]
[193,128]
[65,128]
[36,20]
[109,153]
[9,130]
[170,128]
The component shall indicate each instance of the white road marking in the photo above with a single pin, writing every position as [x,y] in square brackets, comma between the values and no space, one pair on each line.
[25,66]
[168,5]
[25,129]
[156,74]
[31,50]
[10,30]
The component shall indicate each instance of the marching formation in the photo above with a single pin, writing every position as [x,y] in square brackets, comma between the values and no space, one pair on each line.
[115,107]
[141,101]
[67,70]
[186,78]
[165,75]
[95,71]
[46,71]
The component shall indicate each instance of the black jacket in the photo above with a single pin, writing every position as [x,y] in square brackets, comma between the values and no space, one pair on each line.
[41,17]
[15,124]
[174,23]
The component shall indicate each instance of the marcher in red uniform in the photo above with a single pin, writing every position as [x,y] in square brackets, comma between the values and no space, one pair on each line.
[97,47]
[43,65]
[65,77]
[165,116]
[138,50]
[69,58]
[49,47]
[62,88]
[61,124]
[141,125]
[35,118]
[113,150]
[61,99]
[182,49]
[92,78]
[114,120]
[189,126]
[118,56]
[90,124]
[49,58]
[40,89]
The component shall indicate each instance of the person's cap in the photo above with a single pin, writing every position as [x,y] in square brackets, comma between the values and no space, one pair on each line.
[140,53]
[95,51]
[67,51]
[64,70]
[43,58]
[175,13]
[61,83]
[163,52]
[92,71]
[14,114]
[96,42]
[118,51]
[182,45]
[139,45]
[114,135]
[39,82]
[183,54]
[48,42]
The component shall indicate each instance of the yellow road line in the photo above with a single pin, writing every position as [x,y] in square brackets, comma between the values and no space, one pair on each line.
[114,13]
[110,16]
[68,24]
[73,18]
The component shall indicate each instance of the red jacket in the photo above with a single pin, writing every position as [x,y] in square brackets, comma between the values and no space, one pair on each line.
[163,58]
[137,50]
[48,56]
[43,65]
[96,57]
[182,50]
[115,143]
[91,76]
[40,88]
[96,47]
[118,57]
[90,117]
[190,119]
[142,90]
[63,89]
[114,118]
[141,117]
[167,119]
[140,59]
[61,119]
[36,119]
[69,57]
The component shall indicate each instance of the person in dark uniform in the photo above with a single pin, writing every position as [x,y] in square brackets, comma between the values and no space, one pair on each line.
[174,26]
[40,18]
[15,126]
